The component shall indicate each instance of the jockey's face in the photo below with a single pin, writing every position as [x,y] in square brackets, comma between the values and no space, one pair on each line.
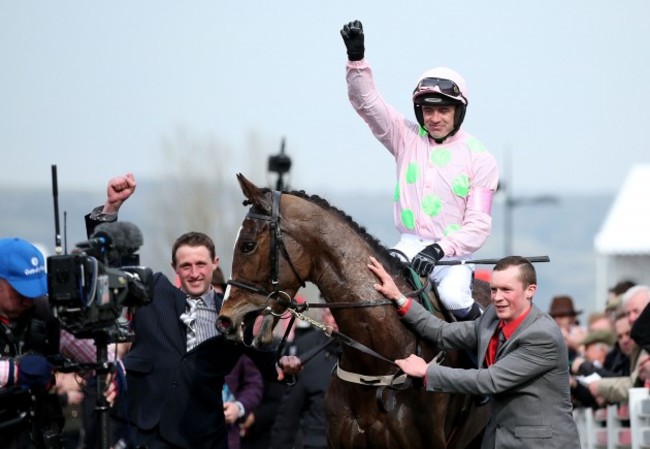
[509,296]
[438,120]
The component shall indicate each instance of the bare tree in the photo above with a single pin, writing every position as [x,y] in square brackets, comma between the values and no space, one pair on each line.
[200,192]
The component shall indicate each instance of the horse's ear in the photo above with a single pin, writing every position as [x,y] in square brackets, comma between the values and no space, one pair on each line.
[254,194]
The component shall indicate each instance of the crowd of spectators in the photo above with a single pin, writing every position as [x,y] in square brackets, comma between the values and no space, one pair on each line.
[609,355]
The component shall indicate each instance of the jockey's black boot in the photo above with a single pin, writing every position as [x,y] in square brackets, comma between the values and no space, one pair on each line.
[474,312]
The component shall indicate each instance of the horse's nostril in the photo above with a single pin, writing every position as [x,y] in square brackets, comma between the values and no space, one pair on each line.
[224,325]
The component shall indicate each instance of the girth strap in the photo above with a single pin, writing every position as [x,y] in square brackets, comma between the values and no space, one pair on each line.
[373,381]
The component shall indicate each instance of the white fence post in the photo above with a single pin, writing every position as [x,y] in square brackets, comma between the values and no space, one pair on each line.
[640,417]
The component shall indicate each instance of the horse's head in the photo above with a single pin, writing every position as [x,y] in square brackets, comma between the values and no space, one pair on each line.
[268,267]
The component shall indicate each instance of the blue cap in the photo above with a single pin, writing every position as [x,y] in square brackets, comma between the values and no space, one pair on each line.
[23,266]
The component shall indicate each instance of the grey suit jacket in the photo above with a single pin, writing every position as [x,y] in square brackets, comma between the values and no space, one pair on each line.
[529,382]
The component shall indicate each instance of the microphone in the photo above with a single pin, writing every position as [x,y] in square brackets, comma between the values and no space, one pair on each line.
[115,240]
[124,238]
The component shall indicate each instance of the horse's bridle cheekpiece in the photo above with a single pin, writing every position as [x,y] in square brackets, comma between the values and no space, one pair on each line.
[277,248]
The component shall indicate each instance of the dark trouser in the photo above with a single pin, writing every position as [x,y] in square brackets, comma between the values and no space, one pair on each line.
[150,439]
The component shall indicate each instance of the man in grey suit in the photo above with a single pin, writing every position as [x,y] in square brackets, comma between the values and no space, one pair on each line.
[524,359]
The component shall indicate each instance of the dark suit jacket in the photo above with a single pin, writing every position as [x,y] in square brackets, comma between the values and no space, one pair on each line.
[303,405]
[258,436]
[529,381]
[640,331]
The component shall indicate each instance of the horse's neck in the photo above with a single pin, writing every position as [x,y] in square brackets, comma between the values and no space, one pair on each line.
[378,327]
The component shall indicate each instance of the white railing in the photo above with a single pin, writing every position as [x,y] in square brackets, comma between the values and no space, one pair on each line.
[616,426]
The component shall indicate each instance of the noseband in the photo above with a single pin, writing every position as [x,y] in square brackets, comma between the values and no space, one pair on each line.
[277,250]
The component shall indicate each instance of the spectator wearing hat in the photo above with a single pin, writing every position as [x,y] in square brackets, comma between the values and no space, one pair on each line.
[598,345]
[565,316]
[29,333]
[617,363]
[616,389]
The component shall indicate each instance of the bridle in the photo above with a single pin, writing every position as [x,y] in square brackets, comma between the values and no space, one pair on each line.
[277,249]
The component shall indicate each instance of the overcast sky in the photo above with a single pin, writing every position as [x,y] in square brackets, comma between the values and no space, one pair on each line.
[96,87]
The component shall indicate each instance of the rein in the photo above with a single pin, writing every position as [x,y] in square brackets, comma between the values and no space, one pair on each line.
[330,332]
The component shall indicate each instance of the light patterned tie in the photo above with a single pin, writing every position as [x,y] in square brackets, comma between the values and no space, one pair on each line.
[189,318]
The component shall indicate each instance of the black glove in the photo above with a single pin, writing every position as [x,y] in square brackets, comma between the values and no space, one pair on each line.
[424,261]
[35,372]
[353,37]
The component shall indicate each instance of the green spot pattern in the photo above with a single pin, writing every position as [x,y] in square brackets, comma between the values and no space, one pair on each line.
[412,173]
[475,145]
[460,185]
[422,132]
[451,229]
[408,219]
[396,193]
[431,205]
[440,157]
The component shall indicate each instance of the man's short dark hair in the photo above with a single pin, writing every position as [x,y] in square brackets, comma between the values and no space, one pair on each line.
[527,273]
[193,239]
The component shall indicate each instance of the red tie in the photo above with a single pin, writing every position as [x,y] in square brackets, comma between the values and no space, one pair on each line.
[493,345]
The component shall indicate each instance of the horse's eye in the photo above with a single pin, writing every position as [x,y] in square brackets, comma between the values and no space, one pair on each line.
[248,247]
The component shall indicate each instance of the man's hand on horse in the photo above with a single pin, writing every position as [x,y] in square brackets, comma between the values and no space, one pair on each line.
[288,365]
[413,365]
[386,285]
[425,261]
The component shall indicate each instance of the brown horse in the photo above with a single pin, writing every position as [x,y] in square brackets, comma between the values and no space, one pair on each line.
[289,237]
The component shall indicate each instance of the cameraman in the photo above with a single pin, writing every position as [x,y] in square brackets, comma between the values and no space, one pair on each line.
[177,361]
[30,413]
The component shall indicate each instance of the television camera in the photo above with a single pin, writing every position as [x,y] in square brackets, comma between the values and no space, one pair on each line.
[92,289]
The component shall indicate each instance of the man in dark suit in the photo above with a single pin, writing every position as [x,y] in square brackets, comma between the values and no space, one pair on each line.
[303,406]
[524,357]
[178,360]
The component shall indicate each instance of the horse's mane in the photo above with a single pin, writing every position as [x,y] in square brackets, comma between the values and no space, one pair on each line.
[391,262]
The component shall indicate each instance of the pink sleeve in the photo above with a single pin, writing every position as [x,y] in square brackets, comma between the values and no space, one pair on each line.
[477,221]
[386,123]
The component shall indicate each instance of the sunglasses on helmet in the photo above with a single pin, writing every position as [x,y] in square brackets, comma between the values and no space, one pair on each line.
[447,87]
